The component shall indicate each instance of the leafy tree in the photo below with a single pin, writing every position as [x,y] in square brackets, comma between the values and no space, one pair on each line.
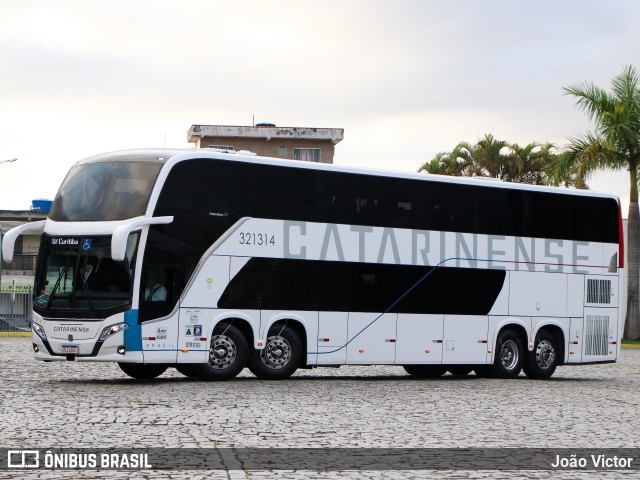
[614,144]
[495,158]
[466,160]
[530,163]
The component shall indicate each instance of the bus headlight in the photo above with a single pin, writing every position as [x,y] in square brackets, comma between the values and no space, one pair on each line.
[112,330]
[39,330]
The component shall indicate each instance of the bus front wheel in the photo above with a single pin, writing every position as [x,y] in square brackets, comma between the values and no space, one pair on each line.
[143,371]
[228,352]
[280,356]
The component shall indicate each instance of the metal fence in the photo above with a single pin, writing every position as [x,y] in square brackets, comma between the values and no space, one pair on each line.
[15,311]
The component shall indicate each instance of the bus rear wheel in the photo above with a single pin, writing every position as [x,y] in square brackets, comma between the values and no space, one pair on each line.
[425,371]
[509,355]
[280,356]
[228,352]
[543,360]
[143,371]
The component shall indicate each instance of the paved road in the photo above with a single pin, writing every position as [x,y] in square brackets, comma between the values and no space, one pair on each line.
[95,405]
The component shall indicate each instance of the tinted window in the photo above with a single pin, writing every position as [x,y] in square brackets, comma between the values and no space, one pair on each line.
[284,193]
[451,207]
[546,215]
[205,198]
[272,284]
[464,291]
[478,290]
[374,288]
[105,191]
[399,203]
[344,198]
[499,211]
[301,283]
[334,286]
[594,219]
[435,293]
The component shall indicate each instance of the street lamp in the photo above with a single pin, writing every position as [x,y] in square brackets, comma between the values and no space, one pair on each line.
[10,160]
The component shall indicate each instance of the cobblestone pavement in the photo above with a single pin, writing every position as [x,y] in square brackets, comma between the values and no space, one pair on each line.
[85,405]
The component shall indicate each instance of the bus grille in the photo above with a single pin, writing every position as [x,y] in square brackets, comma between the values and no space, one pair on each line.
[598,291]
[596,335]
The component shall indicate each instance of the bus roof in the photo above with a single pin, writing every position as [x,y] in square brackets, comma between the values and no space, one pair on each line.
[172,156]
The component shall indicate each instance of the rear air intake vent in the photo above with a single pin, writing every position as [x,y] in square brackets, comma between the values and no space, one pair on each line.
[598,291]
[596,335]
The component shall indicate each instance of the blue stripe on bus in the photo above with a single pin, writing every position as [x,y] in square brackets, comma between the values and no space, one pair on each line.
[133,334]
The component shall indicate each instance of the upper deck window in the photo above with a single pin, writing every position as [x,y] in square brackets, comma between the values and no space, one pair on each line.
[104,191]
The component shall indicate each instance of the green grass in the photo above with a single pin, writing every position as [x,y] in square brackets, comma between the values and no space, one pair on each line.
[631,342]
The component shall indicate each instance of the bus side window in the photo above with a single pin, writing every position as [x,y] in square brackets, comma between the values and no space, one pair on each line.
[344,198]
[451,208]
[158,291]
[284,193]
[399,203]
[546,215]
[500,211]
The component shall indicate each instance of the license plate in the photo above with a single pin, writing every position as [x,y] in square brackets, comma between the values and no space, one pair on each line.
[69,348]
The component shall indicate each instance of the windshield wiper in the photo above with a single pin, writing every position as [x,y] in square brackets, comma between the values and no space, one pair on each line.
[55,287]
[83,272]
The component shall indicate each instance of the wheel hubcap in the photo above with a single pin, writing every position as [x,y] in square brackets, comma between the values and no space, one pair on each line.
[222,352]
[545,354]
[509,355]
[276,353]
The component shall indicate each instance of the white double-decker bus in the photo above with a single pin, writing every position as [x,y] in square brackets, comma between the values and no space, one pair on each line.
[211,262]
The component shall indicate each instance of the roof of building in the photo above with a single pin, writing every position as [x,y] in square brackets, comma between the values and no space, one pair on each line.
[15,218]
[334,135]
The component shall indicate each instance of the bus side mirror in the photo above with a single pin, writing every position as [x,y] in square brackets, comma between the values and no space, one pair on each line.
[9,240]
[121,234]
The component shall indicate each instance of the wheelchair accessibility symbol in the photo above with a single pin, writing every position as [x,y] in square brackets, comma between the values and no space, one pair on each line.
[86,246]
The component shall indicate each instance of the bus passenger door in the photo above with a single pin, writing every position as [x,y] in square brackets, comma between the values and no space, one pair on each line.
[419,339]
[158,316]
[332,338]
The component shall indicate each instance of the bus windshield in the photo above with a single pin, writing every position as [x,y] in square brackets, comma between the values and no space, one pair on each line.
[77,276]
[104,191]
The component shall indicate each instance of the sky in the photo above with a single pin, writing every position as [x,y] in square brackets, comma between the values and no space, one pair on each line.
[406,79]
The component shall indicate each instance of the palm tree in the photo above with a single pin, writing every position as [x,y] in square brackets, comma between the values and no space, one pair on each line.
[484,159]
[529,164]
[498,159]
[614,144]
